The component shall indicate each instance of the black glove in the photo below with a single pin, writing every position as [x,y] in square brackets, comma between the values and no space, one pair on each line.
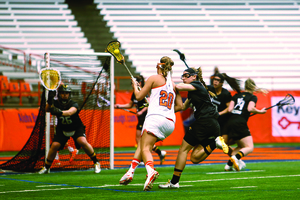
[51,95]
[55,111]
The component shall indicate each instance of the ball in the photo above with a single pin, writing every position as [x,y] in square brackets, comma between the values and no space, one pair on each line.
[116,51]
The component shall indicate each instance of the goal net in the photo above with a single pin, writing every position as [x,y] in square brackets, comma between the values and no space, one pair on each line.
[90,77]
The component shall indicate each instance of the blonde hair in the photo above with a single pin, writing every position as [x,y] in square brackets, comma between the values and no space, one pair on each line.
[167,64]
[200,78]
[251,86]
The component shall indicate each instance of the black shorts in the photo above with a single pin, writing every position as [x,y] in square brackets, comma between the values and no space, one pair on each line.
[202,130]
[141,120]
[62,139]
[236,128]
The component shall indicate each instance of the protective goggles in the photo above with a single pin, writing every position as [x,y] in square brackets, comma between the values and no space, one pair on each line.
[187,75]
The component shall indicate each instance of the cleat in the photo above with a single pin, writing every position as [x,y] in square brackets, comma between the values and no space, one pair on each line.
[150,179]
[221,144]
[169,185]
[162,157]
[127,178]
[229,168]
[242,164]
[44,170]
[56,162]
[235,162]
[73,154]
[97,167]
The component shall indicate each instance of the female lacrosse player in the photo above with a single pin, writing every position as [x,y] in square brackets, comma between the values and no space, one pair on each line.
[223,96]
[160,120]
[204,133]
[69,125]
[141,115]
[236,130]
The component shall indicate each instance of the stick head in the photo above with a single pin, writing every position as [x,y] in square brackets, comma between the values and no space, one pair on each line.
[50,78]
[288,100]
[181,55]
[113,47]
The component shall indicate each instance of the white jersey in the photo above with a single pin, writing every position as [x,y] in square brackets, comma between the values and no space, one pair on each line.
[162,100]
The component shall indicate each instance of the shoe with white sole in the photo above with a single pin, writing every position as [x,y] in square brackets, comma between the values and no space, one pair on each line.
[127,178]
[44,170]
[235,162]
[220,143]
[242,164]
[229,168]
[150,179]
[169,185]
[97,167]
[162,157]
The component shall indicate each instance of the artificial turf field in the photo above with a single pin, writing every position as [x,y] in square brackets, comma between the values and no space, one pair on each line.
[264,177]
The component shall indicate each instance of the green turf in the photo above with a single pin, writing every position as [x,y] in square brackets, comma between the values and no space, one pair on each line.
[265,180]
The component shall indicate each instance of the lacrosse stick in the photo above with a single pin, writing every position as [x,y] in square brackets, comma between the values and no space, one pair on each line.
[181,56]
[288,100]
[113,47]
[104,102]
[128,110]
[49,77]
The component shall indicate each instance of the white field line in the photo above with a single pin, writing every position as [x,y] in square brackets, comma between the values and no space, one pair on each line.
[48,185]
[235,172]
[72,188]
[245,187]
[117,185]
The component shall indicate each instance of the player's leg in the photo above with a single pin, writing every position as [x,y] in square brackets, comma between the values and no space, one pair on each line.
[128,176]
[147,142]
[55,147]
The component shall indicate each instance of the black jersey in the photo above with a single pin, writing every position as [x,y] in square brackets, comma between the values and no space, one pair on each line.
[201,101]
[220,101]
[138,104]
[68,123]
[241,102]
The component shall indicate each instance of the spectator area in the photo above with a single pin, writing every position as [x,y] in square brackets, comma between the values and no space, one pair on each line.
[244,38]
[36,26]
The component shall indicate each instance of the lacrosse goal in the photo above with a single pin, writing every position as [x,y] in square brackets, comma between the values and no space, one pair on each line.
[91,78]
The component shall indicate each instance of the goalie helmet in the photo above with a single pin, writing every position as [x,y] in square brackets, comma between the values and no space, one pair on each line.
[63,89]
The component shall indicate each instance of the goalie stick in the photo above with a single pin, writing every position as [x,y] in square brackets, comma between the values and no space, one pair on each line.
[49,77]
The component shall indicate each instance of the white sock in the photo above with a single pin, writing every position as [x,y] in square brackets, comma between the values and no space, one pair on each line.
[149,169]
[57,156]
[71,149]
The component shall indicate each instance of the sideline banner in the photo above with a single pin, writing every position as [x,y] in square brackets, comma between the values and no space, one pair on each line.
[16,127]
[278,125]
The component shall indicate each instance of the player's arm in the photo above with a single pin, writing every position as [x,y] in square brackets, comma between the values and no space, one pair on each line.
[178,101]
[127,105]
[142,111]
[251,108]
[231,106]
[223,112]
[139,95]
[69,112]
[185,87]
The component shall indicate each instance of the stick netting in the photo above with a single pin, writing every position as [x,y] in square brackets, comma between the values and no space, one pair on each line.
[89,78]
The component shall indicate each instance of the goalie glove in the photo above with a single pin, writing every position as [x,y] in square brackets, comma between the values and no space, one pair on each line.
[56,111]
[51,95]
